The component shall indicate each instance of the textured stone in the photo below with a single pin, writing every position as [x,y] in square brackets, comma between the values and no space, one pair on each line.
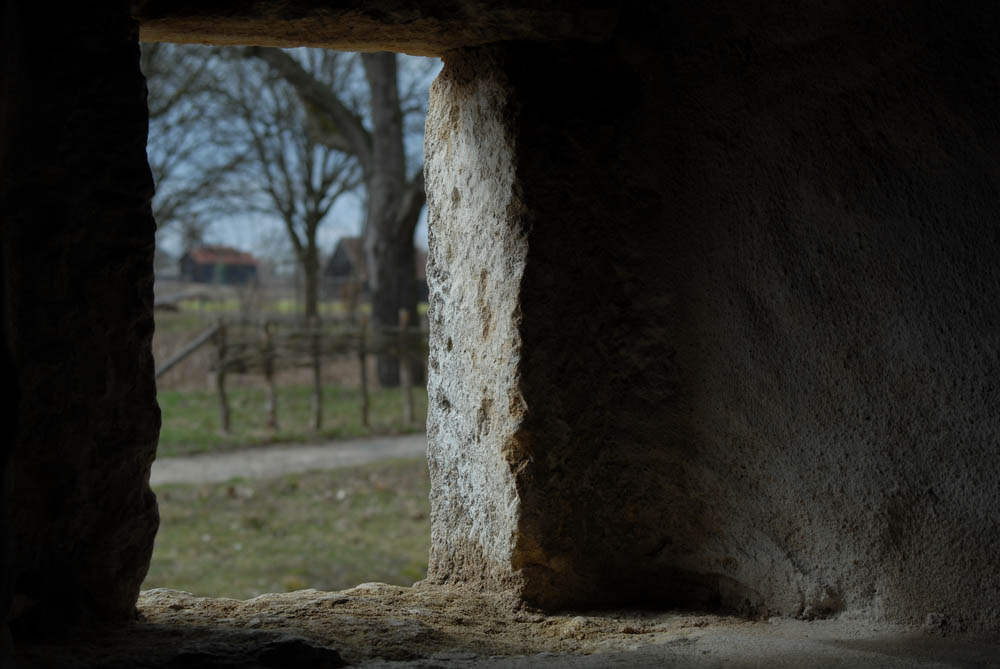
[419,28]
[714,302]
[722,326]
[393,627]
[477,252]
[77,243]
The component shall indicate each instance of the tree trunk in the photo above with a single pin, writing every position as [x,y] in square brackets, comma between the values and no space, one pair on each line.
[392,273]
[310,271]
[388,246]
[394,202]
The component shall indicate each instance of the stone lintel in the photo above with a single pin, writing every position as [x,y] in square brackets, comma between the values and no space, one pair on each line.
[418,28]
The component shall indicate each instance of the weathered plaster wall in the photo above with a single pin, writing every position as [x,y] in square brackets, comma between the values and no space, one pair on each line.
[754,341]
[77,247]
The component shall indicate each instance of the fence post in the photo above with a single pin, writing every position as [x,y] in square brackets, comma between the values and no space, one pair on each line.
[405,378]
[317,374]
[267,352]
[362,355]
[220,377]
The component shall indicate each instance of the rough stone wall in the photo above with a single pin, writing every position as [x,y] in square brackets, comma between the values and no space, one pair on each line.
[8,383]
[714,312]
[77,247]
[755,330]
[843,351]
[477,250]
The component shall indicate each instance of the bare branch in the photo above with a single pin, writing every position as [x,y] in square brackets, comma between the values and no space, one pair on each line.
[321,97]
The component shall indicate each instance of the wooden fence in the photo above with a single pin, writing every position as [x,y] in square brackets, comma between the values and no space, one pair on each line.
[264,347]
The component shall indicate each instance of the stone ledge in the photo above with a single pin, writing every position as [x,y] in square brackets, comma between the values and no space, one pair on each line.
[378,625]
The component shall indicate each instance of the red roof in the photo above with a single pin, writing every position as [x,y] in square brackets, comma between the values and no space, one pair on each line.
[221,255]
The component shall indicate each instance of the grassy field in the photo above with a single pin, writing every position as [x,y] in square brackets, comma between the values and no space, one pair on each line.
[326,530]
[191,420]
[190,405]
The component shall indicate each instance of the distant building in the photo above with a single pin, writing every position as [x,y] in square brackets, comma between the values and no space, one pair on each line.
[218,265]
[346,272]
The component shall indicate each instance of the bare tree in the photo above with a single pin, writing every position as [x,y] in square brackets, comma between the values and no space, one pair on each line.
[346,121]
[395,193]
[190,148]
[289,173]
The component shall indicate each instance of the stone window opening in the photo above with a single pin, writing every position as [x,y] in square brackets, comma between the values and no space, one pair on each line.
[656,314]
[247,398]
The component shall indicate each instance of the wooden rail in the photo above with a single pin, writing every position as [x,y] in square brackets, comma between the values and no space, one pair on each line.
[243,347]
[187,350]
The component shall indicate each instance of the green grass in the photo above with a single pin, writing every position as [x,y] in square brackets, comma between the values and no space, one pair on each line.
[191,419]
[326,530]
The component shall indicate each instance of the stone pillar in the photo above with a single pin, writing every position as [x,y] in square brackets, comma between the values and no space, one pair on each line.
[714,313]
[77,245]
[478,248]
[546,367]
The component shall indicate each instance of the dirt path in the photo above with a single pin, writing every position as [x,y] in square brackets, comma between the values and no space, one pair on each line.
[271,461]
